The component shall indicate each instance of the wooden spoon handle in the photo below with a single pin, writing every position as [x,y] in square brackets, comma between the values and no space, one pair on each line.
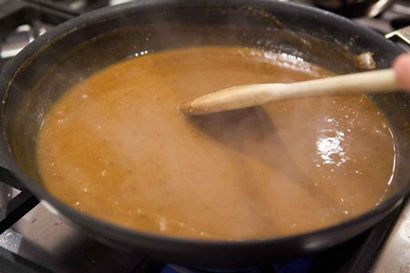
[252,95]
[351,84]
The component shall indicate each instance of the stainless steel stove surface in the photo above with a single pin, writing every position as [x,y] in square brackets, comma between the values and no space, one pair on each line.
[41,242]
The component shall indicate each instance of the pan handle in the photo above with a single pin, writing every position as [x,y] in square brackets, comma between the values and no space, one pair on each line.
[403,34]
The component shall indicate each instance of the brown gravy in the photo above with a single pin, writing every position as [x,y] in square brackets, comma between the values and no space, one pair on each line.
[117,147]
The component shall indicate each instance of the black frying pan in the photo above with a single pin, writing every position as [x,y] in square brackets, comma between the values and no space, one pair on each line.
[42,72]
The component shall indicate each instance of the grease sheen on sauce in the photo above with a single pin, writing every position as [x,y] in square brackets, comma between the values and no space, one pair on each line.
[116,147]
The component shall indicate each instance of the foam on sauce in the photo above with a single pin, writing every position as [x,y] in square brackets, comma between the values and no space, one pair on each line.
[116,147]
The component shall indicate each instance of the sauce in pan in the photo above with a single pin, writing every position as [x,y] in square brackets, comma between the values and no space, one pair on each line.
[116,147]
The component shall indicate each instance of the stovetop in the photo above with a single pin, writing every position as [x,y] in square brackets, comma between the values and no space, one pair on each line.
[34,240]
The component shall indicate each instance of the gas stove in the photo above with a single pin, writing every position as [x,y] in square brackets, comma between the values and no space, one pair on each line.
[34,240]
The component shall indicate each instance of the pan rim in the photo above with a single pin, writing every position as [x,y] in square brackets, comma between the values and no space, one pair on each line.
[23,59]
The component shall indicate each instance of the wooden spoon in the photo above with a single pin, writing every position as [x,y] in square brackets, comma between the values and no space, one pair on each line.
[243,96]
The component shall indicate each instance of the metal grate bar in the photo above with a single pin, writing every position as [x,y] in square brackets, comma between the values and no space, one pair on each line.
[17,208]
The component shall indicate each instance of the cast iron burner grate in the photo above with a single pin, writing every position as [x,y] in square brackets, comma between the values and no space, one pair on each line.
[21,21]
